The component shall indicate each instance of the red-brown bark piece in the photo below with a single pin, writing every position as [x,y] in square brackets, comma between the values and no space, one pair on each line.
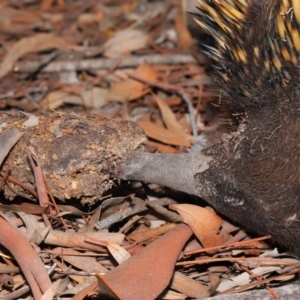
[30,263]
[147,273]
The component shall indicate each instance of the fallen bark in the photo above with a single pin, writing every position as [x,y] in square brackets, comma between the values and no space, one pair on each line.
[28,260]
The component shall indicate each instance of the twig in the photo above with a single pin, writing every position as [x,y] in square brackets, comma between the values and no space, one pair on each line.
[135,209]
[253,260]
[106,63]
[190,107]
[246,243]
[39,179]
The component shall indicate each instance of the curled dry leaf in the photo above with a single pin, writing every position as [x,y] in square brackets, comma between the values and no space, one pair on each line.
[124,42]
[21,21]
[35,43]
[204,223]
[26,257]
[143,236]
[185,40]
[118,252]
[163,135]
[161,147]
[75,258]
[170,121]
[91,98]
[130,89]
[168,115]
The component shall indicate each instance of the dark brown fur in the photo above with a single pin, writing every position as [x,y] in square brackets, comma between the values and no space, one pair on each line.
[261,161]
[256,179]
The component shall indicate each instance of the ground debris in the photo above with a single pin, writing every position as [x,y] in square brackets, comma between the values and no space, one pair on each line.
[76,153]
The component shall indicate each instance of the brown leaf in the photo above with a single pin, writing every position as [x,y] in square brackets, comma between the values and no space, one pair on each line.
[163,135]
[124,42]
[147,273]
[185,40]
[75,258]
[35,43]
[130,89]
[118,252]
[139,237]
[170,120]
[52,290]
[91,98]
[214,280]
[86,291]
[27,258]
[168,115]
[191,288]
[162,147]
[204,223]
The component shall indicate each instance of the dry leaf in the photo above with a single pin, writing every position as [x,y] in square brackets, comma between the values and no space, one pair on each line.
[214,280]
[55,99]
[130,89]
[185,40]
[91,98]
[204,223]
[162,148]
[167,115]
[20,20]
[191,288]
[170,120]
[163,135]
[140,237]
[84,263]
[35,43]
[118,252]
[52,291]
[147,273]
[89,18]
[124,42]
[239,280]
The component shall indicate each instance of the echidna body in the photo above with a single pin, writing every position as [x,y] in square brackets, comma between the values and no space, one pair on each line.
[257,49]
[256,180]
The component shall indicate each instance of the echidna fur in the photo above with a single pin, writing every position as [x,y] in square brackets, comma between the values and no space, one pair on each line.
[255,178]
[256,57]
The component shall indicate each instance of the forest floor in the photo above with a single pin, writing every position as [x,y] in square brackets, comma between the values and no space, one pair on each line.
[100,64]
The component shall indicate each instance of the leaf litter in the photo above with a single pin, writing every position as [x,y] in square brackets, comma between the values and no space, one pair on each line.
[123,60]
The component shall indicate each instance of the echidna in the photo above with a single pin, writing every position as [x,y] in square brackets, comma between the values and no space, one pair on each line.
[253,174]
[256,62]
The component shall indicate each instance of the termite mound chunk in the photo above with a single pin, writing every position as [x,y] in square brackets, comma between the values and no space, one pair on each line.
[76,153]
